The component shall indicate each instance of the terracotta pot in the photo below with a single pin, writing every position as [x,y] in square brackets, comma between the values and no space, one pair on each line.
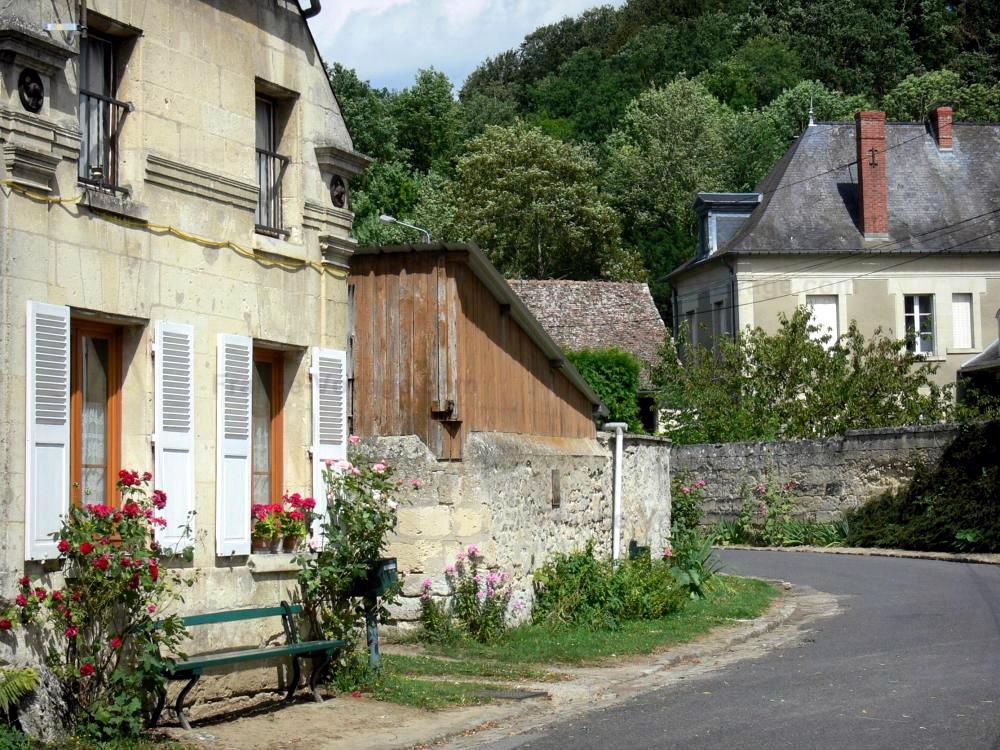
[260,544]
[291,543]
[274,544]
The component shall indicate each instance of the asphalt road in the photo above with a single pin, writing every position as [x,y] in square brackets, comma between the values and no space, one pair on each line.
[913,662]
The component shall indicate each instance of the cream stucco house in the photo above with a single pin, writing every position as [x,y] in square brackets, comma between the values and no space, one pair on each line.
[894,225]
[175,239]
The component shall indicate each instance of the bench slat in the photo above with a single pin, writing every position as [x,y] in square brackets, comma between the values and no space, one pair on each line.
[235,615]
[200,663]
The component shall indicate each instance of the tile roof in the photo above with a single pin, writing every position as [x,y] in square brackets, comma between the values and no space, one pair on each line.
[938,200]
[597,315]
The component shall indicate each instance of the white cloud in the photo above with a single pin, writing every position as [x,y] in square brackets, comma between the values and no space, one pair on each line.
[387,41]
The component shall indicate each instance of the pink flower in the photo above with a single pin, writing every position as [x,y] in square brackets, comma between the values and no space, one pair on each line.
[472,550]
[417,484]
[392,504]
[379,468]
[315,543]
[71,631]
[342,464]
[480,595]
[668,552]
[159,499]
[700,484]
[356,471]
[449,569]
[460,557]
[146,476]
[686,490]
[151,608]
[328,462]
[354,440]
[518,605]
[21,600]
[428,583]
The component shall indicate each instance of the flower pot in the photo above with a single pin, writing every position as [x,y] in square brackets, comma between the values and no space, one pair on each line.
[274,544]
[260,545]
[291,543]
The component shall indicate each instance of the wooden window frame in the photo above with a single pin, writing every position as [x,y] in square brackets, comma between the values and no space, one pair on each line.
[113,335]
[275,358]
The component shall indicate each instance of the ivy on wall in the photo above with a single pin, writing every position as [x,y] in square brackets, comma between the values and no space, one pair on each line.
[614,376]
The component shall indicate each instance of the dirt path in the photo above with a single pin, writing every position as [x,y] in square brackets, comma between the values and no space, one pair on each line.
[348,723]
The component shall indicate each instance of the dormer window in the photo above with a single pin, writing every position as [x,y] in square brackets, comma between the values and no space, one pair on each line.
[720,217]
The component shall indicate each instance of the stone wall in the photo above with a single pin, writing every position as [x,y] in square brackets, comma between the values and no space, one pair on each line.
[504,498]
[831,475]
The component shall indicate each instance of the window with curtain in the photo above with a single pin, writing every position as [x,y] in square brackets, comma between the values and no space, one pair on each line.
[961,321]
[267,427]
[918,312]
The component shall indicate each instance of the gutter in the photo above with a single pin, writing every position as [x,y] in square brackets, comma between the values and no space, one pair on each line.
[313,10]
[733,309]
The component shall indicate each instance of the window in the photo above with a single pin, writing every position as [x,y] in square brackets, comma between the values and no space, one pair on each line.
[825,316]
[271,167]
[721,227]
[267,400]
[101,114]
[95,411]
[961,321]
[919,321]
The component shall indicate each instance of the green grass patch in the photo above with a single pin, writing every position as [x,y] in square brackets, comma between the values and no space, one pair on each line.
[428,666]
[428,694]
[728,599]
[12,739]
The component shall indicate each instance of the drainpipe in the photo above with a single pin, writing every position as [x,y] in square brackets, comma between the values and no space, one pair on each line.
[313,9]
[616,503]
[733,307]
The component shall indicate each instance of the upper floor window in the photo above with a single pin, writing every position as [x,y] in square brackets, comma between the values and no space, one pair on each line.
[101,112]
[271,167]
[919,321]
[961,321]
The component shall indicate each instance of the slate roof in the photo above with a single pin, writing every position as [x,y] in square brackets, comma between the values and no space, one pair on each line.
[597,315]
[939,201]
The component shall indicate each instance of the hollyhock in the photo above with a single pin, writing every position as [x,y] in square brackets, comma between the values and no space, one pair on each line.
[472,550]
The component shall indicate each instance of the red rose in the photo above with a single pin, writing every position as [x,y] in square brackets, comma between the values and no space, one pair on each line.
[117,517]
[5,624]
[146,476]
[21,600]
[77,596]
[64,545]
[159,499]
[40,594]
[71,631]
[86,548]
[57,596]
[154,571]
[25,581]
[105,540]
[116,642]
[101,563]
[131,510]
[86,670]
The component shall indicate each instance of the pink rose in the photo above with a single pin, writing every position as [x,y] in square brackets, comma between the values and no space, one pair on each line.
[416,484]
[379,468]
[354,440]
[151,608]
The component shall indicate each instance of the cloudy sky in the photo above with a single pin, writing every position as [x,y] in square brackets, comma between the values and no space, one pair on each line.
[387,41]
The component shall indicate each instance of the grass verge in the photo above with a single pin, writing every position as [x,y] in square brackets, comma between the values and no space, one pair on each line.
[428,694]
[429,666]
[729,599]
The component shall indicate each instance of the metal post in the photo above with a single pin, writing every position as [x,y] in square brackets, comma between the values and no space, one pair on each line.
[371,629]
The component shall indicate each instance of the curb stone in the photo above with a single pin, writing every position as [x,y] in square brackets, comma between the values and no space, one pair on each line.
[979,558]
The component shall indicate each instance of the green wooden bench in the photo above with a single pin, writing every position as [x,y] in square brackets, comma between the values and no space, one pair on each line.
[319,652]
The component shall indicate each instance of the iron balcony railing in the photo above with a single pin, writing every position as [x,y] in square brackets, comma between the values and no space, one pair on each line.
[101,120]
[270,173]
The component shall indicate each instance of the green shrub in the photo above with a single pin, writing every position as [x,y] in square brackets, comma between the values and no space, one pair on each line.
[954,507]
[614,376]
[685,501]
[578,589]
[12,739]
[691,562]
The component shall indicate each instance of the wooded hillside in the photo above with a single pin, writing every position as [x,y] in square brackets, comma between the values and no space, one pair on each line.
[578,154]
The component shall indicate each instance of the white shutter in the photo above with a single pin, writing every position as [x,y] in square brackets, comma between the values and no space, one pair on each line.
[173,437]
[961,321]
[329,387]
[824,315]
[48,427]
[232,502]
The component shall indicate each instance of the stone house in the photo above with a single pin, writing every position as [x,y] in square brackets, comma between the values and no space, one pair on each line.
[602,315]
[176,237]
[893,225]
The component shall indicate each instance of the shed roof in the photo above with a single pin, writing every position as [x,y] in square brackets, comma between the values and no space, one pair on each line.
[493,280]
[939,201]
[598,315]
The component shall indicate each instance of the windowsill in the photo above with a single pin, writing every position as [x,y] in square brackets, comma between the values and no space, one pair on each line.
[933,357]
[280,563]
[116,202]
[964,351]
[263,243]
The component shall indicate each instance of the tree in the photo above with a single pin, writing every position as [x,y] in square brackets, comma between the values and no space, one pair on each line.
[614,376]
[427,120]
[532,203]
[757,73]
[795,384]
[367,112]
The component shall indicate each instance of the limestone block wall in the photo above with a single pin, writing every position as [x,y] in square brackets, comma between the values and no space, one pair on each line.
[831,475]
[504,498]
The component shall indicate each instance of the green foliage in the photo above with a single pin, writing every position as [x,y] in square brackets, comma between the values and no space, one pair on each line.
[953,507]
[102,629]
[685,501]
[427,120]
[12,739]
[15,684]
[614,376]
[691,561]
[361,514]
[578,590]
[755,74]
[532,203]
[794,383]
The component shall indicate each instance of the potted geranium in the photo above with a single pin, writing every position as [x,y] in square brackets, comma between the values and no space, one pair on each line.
[296,518]
[266,534]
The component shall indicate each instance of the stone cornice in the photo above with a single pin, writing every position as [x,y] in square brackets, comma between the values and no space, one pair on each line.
[29,168]
[342,161]
[326,219]
[31,47]
[337,251]
[211,186]
[40,132]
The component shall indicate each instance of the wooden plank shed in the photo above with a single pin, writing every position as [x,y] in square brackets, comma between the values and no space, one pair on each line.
[443,347]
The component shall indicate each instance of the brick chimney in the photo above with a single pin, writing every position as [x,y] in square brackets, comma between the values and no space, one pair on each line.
[873,181]
[942,127]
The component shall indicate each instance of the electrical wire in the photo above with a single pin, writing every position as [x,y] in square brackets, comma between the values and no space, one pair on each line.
[168,229]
